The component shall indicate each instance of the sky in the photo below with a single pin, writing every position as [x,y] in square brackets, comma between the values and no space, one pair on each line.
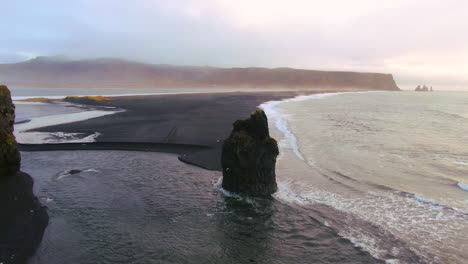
[418,41]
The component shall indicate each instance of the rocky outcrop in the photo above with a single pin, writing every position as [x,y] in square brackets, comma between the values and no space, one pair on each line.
[248,157]
[423,88]
[10,158]
[22,217]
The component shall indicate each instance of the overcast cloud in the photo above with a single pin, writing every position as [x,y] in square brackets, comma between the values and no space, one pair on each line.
[419,41]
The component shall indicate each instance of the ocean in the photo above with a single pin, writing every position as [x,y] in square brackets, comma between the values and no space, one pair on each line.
[390,167]
[363,178]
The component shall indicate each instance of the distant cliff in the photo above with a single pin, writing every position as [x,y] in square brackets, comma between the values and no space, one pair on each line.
[99,73]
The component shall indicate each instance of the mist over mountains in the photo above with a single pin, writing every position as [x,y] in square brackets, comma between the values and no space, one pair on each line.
[61,72]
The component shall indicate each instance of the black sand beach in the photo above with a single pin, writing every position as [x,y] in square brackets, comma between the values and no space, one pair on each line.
[192,125]
[137,207]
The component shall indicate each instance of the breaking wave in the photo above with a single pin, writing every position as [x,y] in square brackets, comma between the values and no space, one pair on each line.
[390,224]
[271,110]
[463,186]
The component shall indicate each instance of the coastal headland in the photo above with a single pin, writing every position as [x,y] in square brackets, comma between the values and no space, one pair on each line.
[117,73]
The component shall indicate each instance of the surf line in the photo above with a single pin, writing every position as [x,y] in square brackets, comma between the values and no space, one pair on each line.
[279,119]
[271,110]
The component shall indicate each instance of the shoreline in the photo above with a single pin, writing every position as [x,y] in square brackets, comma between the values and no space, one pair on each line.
[199,151]
[161,123]
[182,149]
[281,124]
[202,150]
[20,98]
[402,201]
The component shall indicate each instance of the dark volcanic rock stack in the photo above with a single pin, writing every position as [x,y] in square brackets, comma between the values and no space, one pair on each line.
[10,158]
[249,157]
[22,218]
[423,88]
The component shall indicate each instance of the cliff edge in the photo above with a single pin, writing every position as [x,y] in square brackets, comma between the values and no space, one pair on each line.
[248,157]
[22,218]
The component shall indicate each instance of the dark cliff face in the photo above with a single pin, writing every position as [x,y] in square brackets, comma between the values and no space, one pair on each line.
[249,157]
[43,72]
[23,218]
[10,158]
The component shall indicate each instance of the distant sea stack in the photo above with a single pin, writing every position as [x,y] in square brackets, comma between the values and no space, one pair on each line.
[423,88]
[99,73]
[249,157]
[22,218]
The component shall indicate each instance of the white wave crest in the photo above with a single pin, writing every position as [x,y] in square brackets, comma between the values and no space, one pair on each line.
[279,119]
[463,186]
[424,200]
[409,218]
[218,185]
[462,163]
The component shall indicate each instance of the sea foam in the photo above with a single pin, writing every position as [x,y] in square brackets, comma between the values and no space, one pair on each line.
[463,186]
[378,221]
[462,163]
[424,200]
[279,119]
